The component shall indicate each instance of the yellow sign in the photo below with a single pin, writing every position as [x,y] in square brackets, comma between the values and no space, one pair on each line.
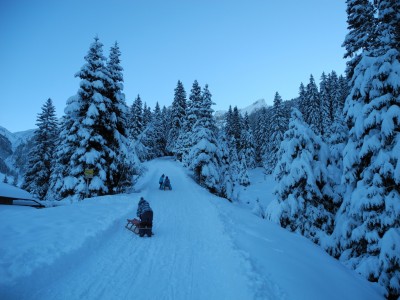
[89,173]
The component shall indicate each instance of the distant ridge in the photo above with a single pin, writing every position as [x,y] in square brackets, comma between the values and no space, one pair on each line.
[17,138]
[257,105]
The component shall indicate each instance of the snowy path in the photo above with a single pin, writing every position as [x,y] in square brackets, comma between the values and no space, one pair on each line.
[203,248]
[190,256]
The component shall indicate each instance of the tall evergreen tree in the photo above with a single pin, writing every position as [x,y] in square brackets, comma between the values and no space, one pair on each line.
[229,122]
[325,103]
[303,102]
[334,105]
[234,164]
[368,223]
[93,132]
[122,157]
[165,128]
[247,143]
[314,106]
[204,154]
[177,116]
[343,92]
[278,124]
[94,128]
[136,118]
[236,126]
[361,26]
[60,170]
[153,136]
[263,134]
[146,115]
[336,139]
[193,107]
[227,181]
[41,155]
[300,204]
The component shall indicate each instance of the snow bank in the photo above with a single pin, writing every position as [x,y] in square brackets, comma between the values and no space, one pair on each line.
[34,237]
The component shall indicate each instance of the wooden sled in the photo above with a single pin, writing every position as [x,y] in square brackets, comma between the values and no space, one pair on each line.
[133,225]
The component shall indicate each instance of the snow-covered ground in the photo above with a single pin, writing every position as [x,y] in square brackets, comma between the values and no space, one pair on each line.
[204,248]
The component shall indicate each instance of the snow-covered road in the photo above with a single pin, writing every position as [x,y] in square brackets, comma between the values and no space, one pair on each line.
[189,257]
[203,248]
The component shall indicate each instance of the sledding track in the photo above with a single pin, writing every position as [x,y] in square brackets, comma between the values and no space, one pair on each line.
[189,257]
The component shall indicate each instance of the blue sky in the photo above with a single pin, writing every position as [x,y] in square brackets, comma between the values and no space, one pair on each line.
[244,50]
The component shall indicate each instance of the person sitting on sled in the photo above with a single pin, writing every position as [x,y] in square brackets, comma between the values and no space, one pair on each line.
[167,183]
[161,181]
[145,213]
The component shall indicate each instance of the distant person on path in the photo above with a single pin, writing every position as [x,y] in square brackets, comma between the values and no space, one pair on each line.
[167,183]
[161,181]
[145,213]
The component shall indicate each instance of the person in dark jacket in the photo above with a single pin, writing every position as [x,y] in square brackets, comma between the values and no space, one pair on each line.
[145,213]
[167,183]
[161,181]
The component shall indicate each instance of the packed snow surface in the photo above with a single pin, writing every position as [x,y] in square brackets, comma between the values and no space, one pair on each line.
[204,248]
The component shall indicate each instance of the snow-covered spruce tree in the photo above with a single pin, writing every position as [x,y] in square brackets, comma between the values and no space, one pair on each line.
[278,125]
[361,25]
[166,127]
[236,126]
[92,127]
[60,181]
[136,118]
[227,181]
[263,134]
[302,102]
[336,138]
[243,176]
[331,99]
[152,137]
[368,223]
[247,143]
[193,107]
[177,116]
[326,103]
[234,164]
[233,125]
[89,135]
[122,157]
[37,177]
[301,174]
[343,85]
[314,106]
[335,92]
[204,156]
[146,115]
[228,122]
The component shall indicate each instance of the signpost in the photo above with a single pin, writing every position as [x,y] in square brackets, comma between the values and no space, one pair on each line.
[88,175]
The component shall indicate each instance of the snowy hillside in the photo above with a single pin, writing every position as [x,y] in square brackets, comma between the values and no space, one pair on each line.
[204,248]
